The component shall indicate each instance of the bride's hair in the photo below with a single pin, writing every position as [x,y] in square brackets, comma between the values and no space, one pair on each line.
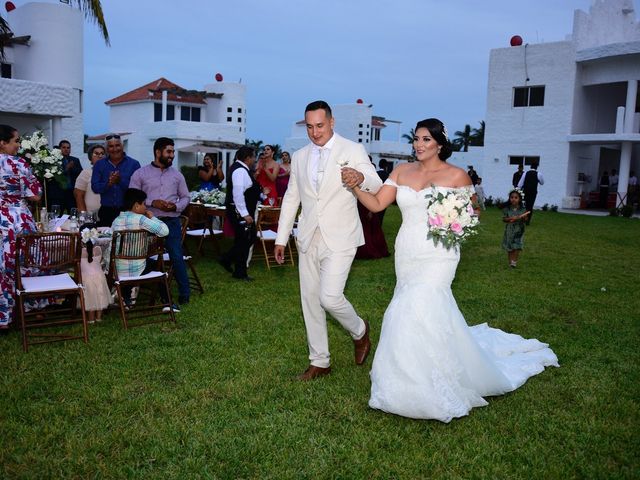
[439,133]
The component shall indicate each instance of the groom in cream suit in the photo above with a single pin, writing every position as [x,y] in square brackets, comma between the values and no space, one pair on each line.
[329,232]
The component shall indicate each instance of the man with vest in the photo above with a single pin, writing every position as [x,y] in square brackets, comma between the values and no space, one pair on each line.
[529,185]
[243,193]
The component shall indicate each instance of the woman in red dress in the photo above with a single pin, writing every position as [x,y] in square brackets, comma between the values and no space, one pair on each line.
[266,174]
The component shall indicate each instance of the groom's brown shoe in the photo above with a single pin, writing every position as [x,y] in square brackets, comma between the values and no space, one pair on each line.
[362,346]
[314,372]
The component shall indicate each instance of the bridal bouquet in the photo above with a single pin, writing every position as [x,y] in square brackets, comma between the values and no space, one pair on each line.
[215,196]
[450,217]
[45,163]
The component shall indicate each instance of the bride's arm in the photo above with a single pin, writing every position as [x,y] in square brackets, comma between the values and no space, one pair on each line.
[374,203]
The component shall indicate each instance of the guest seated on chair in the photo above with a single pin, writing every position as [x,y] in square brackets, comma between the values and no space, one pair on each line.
[137,217]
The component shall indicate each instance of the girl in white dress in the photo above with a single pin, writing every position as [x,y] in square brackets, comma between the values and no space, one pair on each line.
[96,290]
[429,364]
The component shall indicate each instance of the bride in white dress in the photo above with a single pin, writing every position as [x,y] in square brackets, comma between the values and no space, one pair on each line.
[429,364]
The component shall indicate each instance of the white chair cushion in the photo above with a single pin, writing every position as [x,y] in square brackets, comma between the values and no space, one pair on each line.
[267,235]
[146,276]
[202,232]
[165,257]
[217,232]
[48,283]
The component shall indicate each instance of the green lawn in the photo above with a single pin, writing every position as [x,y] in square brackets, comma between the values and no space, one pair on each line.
[215,397]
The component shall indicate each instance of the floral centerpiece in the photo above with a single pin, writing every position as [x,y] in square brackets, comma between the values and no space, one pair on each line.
[450,216]
[89,235]
[215,196]
[46,163]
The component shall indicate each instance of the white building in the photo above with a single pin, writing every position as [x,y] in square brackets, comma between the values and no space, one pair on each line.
[572,106]
[356,122]
[199,122]
[43,73]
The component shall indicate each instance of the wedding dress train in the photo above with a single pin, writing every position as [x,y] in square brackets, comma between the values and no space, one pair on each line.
[429,363]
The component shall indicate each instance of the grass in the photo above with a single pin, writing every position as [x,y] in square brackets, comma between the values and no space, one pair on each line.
[215,398]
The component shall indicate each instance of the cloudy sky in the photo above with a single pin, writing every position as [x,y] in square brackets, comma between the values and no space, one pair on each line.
[411,59]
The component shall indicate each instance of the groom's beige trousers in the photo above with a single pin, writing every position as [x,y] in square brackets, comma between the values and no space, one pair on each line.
[323,275]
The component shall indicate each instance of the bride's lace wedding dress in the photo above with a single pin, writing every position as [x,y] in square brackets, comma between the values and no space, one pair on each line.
[429,363]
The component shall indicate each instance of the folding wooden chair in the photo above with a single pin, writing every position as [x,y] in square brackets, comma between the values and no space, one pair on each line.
[266,223]
[194,278]
[200,226]
[137,246]
[56,256]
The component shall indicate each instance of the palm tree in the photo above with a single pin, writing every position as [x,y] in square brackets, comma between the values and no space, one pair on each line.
[477,135]
[409,136]
[255,144]
[92,11]
[463,138]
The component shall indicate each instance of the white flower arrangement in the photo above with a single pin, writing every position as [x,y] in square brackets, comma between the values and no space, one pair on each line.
[215,196]
[450,217]
[45,163]
[89,234]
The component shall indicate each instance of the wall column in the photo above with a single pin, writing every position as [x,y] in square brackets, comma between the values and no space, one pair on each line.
[625,153]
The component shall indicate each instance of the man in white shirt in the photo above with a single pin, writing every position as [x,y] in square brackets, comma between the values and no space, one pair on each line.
[329,232]
[613,181]
[529,185]
[243,193]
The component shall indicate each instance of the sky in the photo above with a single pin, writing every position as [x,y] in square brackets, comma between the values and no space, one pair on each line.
[411,59]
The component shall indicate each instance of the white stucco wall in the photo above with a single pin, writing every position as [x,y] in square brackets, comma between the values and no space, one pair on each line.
[48,74]
[130,117]
[529,131]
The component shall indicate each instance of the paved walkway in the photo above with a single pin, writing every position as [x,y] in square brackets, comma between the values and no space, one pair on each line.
[592,212]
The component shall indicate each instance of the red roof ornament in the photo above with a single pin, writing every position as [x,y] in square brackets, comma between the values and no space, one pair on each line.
[219,77]
[9,6]
[516,41]
[359,101]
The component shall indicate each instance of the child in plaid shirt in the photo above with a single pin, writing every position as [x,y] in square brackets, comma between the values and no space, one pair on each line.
[137,217]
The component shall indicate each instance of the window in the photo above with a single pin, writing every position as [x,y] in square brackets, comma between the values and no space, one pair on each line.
[360,132]
[229,109]
[359,140]
[360,126]
[523,160]
[528,96]
[239,119]
[5,70]
[229,119]
[190,114]
[157,112]
[239,110]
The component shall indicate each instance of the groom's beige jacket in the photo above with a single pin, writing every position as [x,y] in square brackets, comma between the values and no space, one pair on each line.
[333,208]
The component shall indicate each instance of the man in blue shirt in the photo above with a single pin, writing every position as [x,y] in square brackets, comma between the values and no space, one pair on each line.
[110,179]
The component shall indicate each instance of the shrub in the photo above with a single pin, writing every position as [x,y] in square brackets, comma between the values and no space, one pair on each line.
[626,211]
[191,177]
[613,212]
[488,202]
[545,207]
[554,208]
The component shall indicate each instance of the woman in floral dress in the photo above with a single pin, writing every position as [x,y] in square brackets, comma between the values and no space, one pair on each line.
[17,185]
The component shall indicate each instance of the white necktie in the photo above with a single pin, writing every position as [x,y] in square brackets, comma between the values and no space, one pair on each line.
[322,159]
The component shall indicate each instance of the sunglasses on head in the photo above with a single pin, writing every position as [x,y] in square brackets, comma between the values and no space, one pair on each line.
[112,137]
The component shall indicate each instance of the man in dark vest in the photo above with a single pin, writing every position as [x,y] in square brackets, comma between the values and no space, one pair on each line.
[243,193]
[529,185]
[517,176]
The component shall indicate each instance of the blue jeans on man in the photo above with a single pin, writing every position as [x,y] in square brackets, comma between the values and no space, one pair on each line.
[173,244]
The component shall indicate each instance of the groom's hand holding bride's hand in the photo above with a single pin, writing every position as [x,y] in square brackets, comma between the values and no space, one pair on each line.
[278,252]
[351,177]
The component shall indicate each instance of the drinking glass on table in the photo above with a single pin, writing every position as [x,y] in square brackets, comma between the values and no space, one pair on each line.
[55,210]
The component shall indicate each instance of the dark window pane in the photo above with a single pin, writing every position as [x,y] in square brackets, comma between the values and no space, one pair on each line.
[185,113]
[532,160]
[229,109]
[157,112]
[171,112]
[239,110]
[516,160]
[520,96]
[229,119]
[6,70]
[536,97]
[195,114]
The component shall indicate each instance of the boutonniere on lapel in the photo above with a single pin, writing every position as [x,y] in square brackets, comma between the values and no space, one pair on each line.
[342,162]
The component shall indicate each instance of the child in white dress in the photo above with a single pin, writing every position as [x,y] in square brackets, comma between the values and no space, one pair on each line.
[96,290]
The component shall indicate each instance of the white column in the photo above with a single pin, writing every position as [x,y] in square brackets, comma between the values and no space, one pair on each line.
[164,105]
[56,131]
[625,152]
